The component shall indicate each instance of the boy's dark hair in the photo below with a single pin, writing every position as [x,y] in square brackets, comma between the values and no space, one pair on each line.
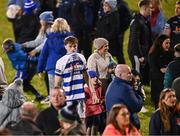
[70,39]
[144,3]
[177,2]
[8,45]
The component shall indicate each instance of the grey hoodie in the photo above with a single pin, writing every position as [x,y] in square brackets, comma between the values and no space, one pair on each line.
[11,102]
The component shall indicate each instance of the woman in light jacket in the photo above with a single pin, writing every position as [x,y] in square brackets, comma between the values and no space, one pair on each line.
[118,122]
[101,62]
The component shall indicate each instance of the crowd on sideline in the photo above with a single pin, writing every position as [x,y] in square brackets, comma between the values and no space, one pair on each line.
[90,93]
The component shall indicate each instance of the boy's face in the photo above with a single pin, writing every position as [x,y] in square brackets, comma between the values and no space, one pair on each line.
[71,47]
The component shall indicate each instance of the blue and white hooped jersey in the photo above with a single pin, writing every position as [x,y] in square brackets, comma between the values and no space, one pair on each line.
[70,67]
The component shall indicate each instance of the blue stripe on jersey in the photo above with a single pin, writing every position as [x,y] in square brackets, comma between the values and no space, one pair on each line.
[74,82]
[58,74]
[74,62]
[78,91]
[66,75]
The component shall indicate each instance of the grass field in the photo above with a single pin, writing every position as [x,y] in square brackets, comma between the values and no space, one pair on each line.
[6,31]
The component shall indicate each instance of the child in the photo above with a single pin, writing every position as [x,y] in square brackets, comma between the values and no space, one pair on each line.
[70,69]
[94,104]
[137,87]
[22,63]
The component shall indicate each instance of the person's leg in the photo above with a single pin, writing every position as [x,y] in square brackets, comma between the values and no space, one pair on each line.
[28,86]
[51,82]
[50,87]
[103,122]
[46,82]
[27,77]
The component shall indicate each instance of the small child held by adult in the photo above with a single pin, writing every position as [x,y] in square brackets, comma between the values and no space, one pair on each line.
[138,87]
[22,63]
[94,103]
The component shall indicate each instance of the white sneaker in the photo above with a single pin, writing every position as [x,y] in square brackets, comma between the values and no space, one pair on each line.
[143,110]
[46,100]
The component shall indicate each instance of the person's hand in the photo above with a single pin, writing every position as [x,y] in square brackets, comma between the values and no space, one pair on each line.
[110,70]
[163,70]
[32,53]
[41,75]
[141,60]
[23,45]
[95,99]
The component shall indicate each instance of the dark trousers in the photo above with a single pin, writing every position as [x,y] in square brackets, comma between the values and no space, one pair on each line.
[27,76]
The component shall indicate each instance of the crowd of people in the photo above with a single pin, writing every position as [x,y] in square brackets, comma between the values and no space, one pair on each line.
[90,93]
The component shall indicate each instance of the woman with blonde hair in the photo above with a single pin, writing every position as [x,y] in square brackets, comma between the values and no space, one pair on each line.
[166,120]
[118,122]
[53,49]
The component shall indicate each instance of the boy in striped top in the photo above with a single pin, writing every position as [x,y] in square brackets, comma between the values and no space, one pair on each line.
[69,73]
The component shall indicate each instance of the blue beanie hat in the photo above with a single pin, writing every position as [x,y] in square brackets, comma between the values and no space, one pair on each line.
[47,16]
[29,6]
[112,3]
[92,74]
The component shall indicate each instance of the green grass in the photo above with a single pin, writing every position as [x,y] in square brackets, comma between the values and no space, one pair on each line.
[6,32]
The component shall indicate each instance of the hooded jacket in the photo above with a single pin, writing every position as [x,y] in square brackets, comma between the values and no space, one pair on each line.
[11,102]
[52,51]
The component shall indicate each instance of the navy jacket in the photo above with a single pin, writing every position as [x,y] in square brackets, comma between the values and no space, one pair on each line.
[120,92]
[156,125]
[52,51]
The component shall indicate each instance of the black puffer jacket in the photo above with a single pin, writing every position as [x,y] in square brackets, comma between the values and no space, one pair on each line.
[140,37]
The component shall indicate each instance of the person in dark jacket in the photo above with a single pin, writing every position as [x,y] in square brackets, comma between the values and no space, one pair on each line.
[108,27]
[120,92]
[50,5]
[176,87]
[160,55]
[79,15]
[172,27]
[47,119]
[173,69]
[26,25]
[125,17]
[166,119]
[140,40]
[26,126]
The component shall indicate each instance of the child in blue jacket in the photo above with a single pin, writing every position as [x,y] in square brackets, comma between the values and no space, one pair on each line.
[22,63]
